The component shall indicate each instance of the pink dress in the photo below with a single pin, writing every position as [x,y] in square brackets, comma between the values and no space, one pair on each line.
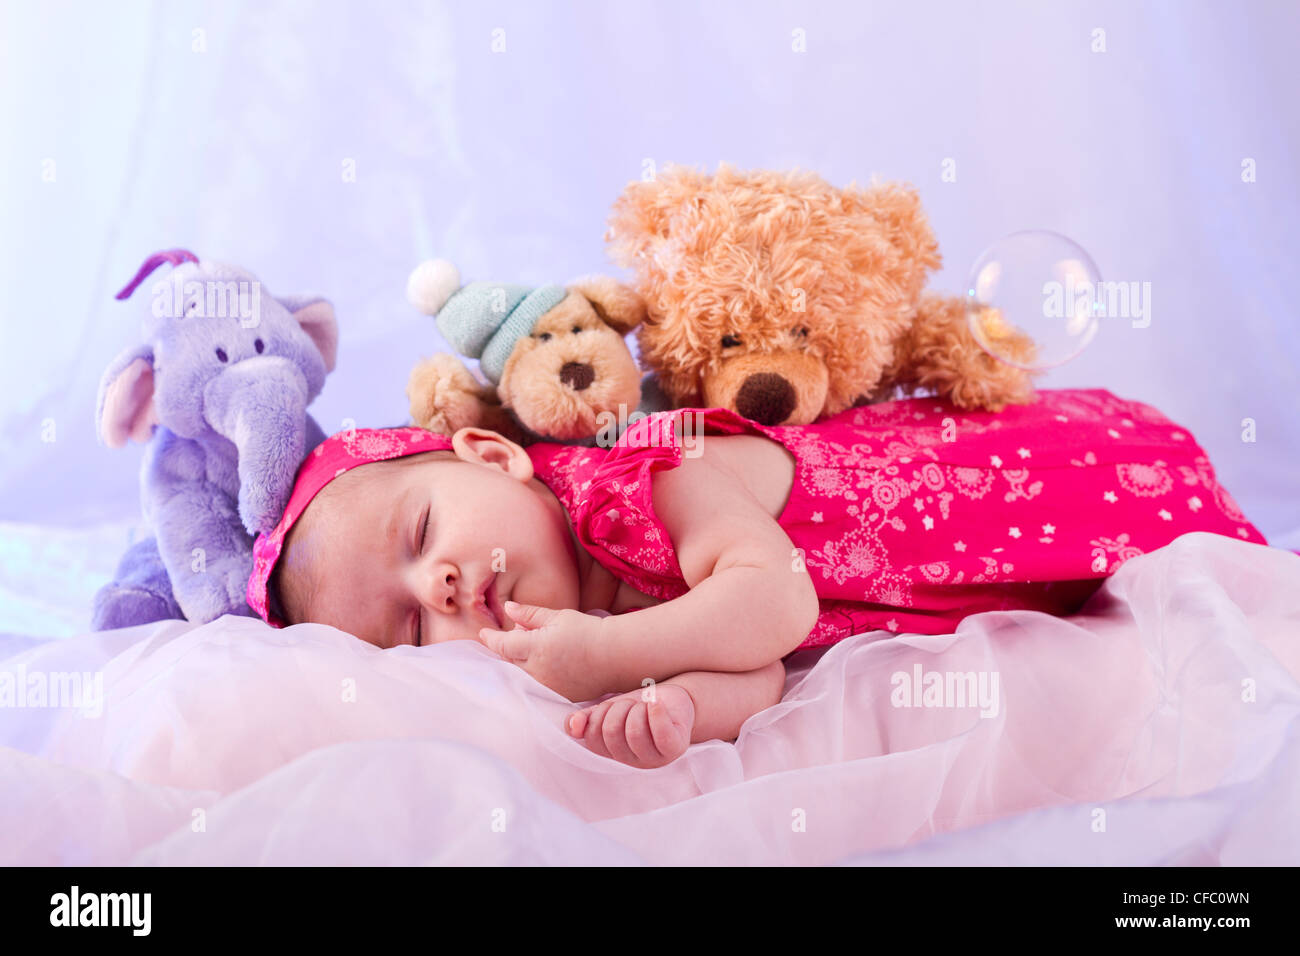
[910,515]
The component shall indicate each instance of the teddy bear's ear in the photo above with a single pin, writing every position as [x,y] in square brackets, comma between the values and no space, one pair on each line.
[618,305]
[896,212]
[644,213]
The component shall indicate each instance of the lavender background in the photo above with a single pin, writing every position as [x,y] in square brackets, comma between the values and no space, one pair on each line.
[507,163]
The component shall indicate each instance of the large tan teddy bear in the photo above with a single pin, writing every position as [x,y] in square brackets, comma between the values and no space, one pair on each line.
[786,299]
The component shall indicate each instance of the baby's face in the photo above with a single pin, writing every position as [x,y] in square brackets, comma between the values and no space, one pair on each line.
[428,548]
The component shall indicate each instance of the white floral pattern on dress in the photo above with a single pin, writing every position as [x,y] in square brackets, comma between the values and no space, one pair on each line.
[974,483]
[1145,480]
[857,554]
[1016,478]
[1110,554]
[897,525]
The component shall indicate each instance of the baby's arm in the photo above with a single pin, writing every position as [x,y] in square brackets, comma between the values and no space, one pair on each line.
[750,602]
[725,700]
[654,725]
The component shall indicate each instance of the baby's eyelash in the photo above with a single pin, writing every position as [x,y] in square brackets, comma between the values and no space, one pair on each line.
[419,617]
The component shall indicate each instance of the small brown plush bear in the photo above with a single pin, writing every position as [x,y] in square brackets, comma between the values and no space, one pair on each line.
[786,299]
[558,366]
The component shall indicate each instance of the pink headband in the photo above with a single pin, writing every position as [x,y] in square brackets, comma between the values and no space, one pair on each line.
[331,458]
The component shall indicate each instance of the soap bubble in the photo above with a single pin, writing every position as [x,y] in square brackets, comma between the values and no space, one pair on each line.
[1036,284]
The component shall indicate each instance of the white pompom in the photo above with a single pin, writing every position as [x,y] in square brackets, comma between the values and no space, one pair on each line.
[431,284]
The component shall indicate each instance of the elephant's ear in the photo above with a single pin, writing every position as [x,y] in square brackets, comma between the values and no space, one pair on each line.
[126,407]
[316,316]
[620,306]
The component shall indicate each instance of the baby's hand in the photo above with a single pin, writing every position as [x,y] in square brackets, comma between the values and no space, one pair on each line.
[556,647]
[645,728]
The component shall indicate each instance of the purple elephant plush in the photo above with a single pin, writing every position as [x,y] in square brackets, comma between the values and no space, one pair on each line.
[219,390]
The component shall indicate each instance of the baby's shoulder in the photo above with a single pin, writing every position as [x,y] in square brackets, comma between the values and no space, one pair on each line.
[745,469]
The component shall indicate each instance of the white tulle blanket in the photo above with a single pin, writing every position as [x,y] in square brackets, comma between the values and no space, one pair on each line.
[1162,725]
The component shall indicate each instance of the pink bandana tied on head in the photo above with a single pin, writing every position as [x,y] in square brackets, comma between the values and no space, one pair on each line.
[332,457]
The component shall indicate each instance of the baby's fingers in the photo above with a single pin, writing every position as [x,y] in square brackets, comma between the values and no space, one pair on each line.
[667,735]
[639,736]
[592,735]
[575,725]
[613,730]
[513,645]
[529,615]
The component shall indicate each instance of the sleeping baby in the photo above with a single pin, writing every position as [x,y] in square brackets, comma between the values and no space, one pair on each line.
[665,578]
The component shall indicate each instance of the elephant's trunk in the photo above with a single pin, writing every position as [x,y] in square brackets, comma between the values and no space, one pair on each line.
[260,405]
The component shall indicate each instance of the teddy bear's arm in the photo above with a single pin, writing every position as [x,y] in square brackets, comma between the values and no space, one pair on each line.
[939,352]
[445,397]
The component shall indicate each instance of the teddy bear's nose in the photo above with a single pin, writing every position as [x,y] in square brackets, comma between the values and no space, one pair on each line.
[577,375]
[766,398]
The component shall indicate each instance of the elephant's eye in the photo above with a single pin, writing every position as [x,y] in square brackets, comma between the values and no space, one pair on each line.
[729,340]
[221,355]
[802,331]
[545,336]
[576,329]
[257,344]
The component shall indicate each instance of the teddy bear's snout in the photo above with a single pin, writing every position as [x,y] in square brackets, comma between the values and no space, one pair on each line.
[766,397]
[577,375]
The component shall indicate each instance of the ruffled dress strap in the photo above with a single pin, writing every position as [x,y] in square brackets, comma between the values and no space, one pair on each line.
[616,519]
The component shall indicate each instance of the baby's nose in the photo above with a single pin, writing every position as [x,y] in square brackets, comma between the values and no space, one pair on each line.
[439,588]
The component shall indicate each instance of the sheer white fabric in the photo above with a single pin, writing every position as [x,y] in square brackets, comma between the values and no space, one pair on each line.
[1162,725]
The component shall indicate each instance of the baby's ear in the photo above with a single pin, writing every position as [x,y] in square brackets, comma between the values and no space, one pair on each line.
[126,406]
[484,446]
[619,306]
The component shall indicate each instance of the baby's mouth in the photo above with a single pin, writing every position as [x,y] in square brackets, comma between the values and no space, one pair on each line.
[488,598]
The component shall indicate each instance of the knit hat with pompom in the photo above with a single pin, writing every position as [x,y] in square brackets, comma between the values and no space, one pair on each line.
[482,320]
